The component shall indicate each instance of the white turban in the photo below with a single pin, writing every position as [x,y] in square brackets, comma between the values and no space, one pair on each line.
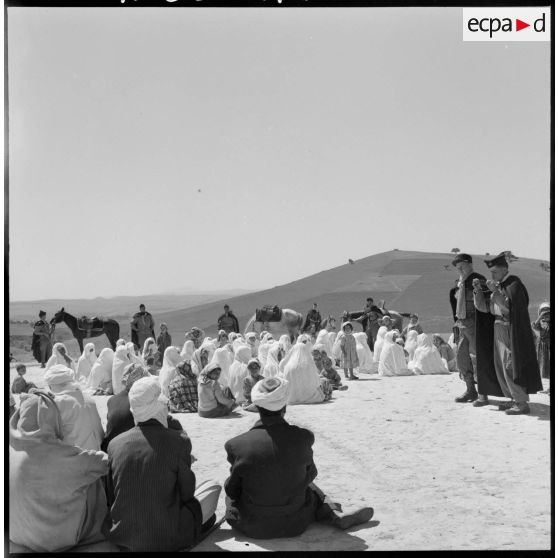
[271,394]
[147,401]
[59,374]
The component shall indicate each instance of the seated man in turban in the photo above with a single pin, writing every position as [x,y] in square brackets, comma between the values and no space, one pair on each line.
[270,492]
[155,505]
[56,498]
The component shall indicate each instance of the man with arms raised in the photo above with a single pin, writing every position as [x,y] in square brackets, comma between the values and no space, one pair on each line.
[270,492]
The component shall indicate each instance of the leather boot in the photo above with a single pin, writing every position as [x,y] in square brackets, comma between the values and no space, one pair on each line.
[470,395]
[481,401]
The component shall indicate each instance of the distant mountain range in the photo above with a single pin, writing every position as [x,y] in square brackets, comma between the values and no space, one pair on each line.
[117,307]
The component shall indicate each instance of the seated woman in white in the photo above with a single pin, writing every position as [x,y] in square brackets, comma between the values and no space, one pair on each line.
[238,371]
[427,359]
[171,359]
[136,359]
[253,342]
[274,355]
[60,356]
[411,343]
[224,358]
[446,352]
[305,384]
[323,339]
[85,362]
[202,357]
[121,360]
[365,356]
[392,358]
[100,377]
[285,343]
[378,344]
[149,349]
[263,348]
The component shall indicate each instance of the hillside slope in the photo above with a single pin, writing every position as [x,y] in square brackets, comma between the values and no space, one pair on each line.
[408,281]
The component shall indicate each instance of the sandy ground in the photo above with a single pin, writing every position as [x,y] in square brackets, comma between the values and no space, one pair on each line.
[440,475]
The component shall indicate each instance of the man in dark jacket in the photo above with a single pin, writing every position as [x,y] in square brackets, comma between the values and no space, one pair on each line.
[474,352]
[313,320]
[155,505]
[270,492]
[228,321]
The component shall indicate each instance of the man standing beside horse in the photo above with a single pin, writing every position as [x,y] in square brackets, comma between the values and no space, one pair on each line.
[143,326]
[228,321]
[41,344]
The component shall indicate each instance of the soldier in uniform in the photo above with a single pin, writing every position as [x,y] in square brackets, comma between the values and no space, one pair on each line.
[41,344]
[474,352]
[142,326]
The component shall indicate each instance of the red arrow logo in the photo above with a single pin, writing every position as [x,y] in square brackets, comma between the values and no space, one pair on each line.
[519,25]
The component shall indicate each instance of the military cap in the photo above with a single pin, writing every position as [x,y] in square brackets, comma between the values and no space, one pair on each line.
[462,258]
[500,259]
[42,313]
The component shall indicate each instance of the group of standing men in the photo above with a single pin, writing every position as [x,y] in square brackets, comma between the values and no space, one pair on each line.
[495,346]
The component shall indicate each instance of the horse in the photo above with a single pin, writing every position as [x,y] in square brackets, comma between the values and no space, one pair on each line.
[108,326]
[328,323]
[290,323]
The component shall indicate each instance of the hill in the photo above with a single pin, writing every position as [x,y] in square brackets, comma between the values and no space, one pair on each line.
[408,282]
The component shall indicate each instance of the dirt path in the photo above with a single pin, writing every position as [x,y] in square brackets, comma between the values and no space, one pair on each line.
[440,475]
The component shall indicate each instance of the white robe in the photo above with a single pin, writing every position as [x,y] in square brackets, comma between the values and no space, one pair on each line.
[392,359]
[285,341]
[101,371]
[411,343]
[85,362]
[302,375]
[133,357]
[324,339]
[239,371]
[187,350]
[120,362]
[168,372]
[149,349]
[196,362]
[365,356]
[81,423]
[57,358]
[427,359]
[224,358]
[271,367]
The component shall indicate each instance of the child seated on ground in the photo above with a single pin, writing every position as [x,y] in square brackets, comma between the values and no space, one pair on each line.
[249,382]
[20,385]
[331,375]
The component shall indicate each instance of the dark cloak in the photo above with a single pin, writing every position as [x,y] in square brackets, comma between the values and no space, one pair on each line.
[487,381]
[524,355]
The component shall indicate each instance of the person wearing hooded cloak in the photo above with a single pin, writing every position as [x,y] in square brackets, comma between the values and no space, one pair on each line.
[57,500]
[515,357]
[142,327]
[41,344]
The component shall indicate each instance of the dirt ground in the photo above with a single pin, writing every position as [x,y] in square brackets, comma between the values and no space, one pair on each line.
[440,475]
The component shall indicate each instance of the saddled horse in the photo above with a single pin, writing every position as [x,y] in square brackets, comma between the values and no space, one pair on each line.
[82,329]
[290,324]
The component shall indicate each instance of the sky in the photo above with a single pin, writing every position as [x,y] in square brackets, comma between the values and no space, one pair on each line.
[153,149]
